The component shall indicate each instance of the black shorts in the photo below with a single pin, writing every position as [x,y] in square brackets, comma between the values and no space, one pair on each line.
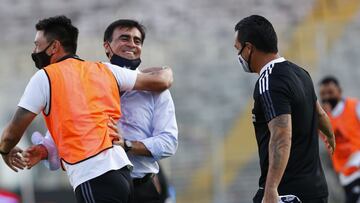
[260,194]
[112,187]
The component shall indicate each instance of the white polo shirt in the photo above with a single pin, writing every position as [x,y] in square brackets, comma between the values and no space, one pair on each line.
[35,99]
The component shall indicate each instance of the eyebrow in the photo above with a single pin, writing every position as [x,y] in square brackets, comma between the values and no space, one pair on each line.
[127,35]
[136,37]
[124,35]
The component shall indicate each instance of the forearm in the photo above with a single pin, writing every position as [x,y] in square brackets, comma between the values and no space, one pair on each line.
[154,81]
[324,125]
[7,140]
[161,146]
[279,152]
[138,148]
[15,129]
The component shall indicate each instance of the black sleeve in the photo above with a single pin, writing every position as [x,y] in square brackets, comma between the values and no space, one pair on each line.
[312,85]
[275,95]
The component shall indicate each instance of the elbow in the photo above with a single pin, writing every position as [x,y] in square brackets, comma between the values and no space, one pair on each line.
[165,83]
[173,145]
[166,79]
[169,149]
[281,141]
[169,83]
[173,148]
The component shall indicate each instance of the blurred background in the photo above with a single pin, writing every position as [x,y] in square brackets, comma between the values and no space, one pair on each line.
[217,160]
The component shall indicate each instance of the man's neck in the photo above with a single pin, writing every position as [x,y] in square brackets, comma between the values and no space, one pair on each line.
[56,57]
[262,60]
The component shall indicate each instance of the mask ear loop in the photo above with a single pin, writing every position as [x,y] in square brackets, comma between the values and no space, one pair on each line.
[107,53]
[48,48]
[241,50]
[44,50]
[249,62]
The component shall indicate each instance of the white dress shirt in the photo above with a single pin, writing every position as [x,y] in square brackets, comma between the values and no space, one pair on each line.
[149,117]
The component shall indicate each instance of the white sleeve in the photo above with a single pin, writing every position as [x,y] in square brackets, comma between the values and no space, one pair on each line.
[126,78]
[164,140]
[36,93]
[53,160]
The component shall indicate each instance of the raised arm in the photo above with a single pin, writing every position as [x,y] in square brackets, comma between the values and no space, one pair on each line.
[325,126]
[279,152]
[154,79]
[13,132]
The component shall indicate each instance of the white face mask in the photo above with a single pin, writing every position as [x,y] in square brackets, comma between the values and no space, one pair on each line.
[244,64]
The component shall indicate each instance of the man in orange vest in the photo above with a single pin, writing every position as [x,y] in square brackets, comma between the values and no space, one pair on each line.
[78,100]
[344,115]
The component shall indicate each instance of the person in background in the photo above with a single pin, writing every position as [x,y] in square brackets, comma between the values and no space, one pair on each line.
[344,113]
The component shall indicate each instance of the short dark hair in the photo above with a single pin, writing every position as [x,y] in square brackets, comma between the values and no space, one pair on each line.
[60,28]
[124,23]
[328,80]
[258,31]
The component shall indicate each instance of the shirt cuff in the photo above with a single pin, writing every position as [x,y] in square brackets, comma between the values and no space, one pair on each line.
[52,162]
[151,146]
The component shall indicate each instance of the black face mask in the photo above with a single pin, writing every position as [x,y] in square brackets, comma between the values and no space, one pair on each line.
[41,59]
[332,101]
[126,63]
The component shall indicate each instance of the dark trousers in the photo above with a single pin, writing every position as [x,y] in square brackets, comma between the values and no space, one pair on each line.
[145,191]
[352,191]
[260,194]
[112,187]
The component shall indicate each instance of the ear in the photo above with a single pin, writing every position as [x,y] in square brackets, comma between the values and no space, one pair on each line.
[248,44]
[55,47]
[107,49]
[248,47]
